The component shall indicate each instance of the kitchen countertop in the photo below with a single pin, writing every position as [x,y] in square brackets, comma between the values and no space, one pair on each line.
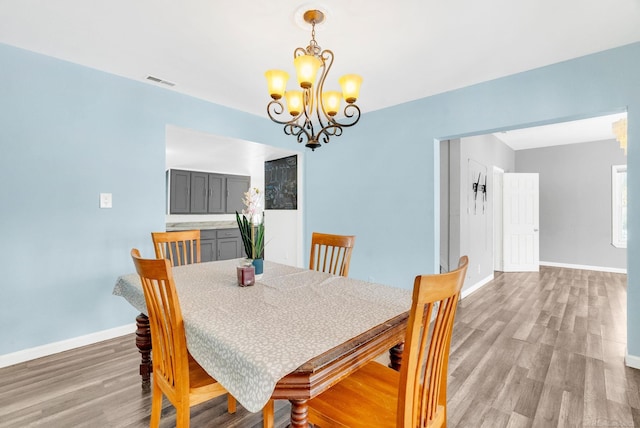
[201,225]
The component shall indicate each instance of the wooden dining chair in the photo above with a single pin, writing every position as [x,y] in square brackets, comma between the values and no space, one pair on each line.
[175,373]
[180,247]
[378,396]
[331,253]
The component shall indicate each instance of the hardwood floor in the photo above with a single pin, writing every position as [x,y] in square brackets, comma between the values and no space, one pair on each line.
[543,350]
[528,350]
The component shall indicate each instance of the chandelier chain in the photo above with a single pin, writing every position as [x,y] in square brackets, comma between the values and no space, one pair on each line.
[313,48]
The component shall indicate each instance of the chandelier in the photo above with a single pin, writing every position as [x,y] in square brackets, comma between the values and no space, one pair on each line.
[620,131]
[313,110]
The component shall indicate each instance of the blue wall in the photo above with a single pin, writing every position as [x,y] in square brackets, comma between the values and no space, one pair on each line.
[381,184]
[69,133]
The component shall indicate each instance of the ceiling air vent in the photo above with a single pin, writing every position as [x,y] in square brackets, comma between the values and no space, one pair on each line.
[158,80]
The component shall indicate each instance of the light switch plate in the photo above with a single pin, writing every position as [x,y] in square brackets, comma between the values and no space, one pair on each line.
[105,200]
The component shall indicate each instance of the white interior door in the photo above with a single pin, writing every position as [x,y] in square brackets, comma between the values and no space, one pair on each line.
[521,222]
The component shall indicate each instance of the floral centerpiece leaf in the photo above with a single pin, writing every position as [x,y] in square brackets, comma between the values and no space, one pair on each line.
[252,228]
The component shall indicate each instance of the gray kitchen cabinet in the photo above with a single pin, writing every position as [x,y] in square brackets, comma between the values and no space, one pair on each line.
[180,202]
[208,250]
[229,244]
[220,244]
[199,192]
[196,192]
[217,194]
[237,186]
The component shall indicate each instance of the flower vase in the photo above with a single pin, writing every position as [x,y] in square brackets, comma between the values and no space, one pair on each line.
[258,264]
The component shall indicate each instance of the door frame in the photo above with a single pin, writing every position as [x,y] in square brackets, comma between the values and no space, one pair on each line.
[498,229]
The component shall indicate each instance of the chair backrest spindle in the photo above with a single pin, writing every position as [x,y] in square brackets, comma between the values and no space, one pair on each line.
[180,247]
[170,357]
[331,253]
[423,376]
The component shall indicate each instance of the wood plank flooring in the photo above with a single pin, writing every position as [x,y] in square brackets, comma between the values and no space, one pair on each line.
[543,350]
[528,350]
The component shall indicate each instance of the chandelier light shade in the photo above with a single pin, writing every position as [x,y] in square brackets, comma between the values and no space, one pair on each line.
[306,69]
[350,84]
[312,111]
[619,129]
[277,81]
[294,102]
[331,102]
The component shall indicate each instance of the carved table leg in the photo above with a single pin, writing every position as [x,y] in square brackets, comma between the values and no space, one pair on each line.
[299,414]
[395,355]
[143,342]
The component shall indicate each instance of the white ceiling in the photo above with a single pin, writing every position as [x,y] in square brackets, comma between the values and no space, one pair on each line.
[198,151]
[408,49]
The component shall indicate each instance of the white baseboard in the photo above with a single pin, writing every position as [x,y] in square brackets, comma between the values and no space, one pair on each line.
[476,286]
[632,361]
[64,345]
[584,267]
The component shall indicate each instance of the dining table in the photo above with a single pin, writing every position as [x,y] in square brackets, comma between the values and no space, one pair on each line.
[291,335]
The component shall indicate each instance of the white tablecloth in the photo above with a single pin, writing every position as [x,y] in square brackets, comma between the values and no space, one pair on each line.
[248,338]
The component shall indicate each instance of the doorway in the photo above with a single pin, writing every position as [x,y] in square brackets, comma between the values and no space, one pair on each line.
[455,231]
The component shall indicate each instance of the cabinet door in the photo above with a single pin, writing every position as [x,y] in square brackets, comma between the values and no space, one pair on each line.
[179,199]
[199,191]
[237,186]
[228,248]
[229,244]
[217,200]
[207,245]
